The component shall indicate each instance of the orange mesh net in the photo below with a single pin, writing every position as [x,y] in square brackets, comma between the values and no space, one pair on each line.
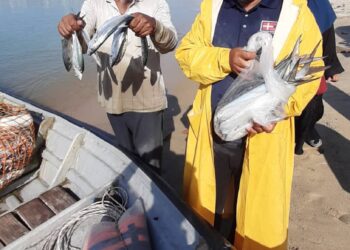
[17,141]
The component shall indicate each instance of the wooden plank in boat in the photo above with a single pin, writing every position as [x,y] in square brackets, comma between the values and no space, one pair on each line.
[11,228]
[57,199]
[34,213]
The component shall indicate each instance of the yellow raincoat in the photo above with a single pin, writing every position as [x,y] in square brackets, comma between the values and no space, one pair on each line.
[265,187]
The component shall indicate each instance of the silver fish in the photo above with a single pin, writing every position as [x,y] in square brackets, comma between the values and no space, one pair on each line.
[307,66]
[296,69]
[107,29]
[144,48]
[67,53]
[249,99]
[118,45]
[289,62]
[77,56]
[288,69]
[86,38]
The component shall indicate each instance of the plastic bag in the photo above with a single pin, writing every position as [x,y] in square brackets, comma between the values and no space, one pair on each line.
[258,94]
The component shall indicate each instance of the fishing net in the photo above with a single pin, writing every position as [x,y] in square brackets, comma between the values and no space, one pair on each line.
[17,140]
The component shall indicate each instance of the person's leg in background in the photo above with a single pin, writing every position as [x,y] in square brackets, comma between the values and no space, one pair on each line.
[304,124]
[331,75]
[147,134]
[313,138]
[121,131]
[140,134]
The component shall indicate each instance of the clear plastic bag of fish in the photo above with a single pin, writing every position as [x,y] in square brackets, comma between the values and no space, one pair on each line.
[260,92]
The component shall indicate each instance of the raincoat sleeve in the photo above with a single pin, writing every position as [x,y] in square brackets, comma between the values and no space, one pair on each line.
[311,36]
[165,37]
[199,60]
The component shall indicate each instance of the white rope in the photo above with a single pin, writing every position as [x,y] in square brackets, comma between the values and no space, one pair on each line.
[60,239]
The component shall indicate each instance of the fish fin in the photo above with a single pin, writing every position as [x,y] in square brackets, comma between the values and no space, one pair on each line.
[294,71]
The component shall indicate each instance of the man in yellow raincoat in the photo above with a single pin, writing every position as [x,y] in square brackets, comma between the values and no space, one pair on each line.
[206,55]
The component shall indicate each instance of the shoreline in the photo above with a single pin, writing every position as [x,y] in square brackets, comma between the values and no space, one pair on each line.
[321,182]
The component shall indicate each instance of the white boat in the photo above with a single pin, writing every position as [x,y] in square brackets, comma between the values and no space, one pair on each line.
[82,159]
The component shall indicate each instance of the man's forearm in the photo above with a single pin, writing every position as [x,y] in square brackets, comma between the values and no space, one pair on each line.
[164,38]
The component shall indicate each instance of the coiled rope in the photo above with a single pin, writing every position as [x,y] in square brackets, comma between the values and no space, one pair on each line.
[60,239]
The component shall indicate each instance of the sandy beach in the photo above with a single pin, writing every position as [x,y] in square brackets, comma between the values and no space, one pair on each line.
[320,207]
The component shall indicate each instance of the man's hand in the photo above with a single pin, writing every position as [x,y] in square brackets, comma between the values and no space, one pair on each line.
[143,25]
[257,128]
[69,24]
[239,59]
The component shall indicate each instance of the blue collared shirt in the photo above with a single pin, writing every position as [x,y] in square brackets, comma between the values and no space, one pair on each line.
[233,29]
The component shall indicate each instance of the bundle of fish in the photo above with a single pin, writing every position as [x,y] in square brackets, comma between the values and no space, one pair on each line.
[260,93]
[118,26]
[72,53]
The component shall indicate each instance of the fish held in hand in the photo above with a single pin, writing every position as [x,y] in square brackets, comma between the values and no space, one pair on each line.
[67,53]
[86,38]
[106,30]
[77,55]
[118,45]
[72,54]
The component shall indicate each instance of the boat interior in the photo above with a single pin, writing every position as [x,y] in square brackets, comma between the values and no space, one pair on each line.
[71,168]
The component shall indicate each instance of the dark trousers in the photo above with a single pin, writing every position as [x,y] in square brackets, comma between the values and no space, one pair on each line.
[305,123]
[228,161]
[140,134]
